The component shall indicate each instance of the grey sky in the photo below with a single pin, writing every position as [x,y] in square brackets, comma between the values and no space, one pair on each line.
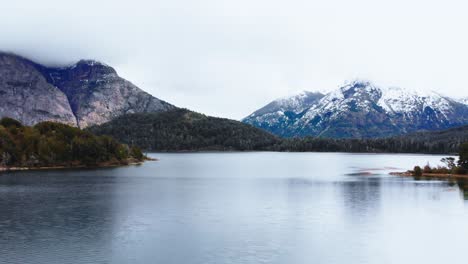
[228,58]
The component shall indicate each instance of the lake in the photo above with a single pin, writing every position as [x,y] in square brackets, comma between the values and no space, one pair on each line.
[235,208]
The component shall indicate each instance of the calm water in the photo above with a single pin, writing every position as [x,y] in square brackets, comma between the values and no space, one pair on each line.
[235,208]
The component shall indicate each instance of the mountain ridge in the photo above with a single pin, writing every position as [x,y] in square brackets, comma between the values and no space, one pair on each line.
[360,109]
[94,92]
[184,130]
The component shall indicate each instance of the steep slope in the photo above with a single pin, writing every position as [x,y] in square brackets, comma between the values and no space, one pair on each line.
[97,94]
[83,94]
[360,109]
[280,114]
[350,111]
[184,130]
[26,95]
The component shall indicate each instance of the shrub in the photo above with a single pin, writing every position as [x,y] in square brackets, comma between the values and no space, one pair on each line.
[441,170]
[449,161]
[136,153]
[459,170]
[463,159]
[427,169]
[10,122]
[417,171]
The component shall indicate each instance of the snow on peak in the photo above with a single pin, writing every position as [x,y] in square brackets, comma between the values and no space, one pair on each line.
[399,100]
[297,103]
[361,103]
[90,63]
[293,104]
[463,100]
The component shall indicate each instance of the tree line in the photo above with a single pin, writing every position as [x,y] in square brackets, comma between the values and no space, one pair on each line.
[50,144]
[184,130]
[451,165]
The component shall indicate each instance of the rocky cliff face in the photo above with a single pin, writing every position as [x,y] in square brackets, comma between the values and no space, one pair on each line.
[361,109]
[97,94]
[83,94]
[26,95]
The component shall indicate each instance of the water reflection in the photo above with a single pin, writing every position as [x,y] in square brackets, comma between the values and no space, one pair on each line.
[460,184]
[234,208]
[463,185]
[361,197]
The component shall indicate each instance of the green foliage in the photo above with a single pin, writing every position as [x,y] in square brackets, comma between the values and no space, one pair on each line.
[447,141]
[183,130]
[459,170]
[427,169]
[463,159]
[54,144]
[451,166]
[10,122]
[417,171]
[136,152]
[449,162]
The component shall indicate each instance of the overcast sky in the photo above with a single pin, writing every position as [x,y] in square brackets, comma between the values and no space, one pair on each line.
[229,57]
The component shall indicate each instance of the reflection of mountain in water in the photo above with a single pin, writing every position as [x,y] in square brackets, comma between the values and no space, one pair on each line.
[361,197]
[461,184]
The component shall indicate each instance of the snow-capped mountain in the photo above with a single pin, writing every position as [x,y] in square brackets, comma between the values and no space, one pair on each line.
[279,115]
[360,109]
[464,101]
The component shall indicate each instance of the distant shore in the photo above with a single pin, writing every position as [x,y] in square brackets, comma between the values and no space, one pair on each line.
[432,175]
[110,164]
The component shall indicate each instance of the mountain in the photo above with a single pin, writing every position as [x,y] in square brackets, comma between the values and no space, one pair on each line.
[278,116]
[26,95]
[184,130]
[83,94]
[361,109]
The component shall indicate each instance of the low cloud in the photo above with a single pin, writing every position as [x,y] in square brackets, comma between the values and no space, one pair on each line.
[228,58]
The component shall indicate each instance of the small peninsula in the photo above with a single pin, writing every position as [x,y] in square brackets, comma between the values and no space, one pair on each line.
[50,145]
[453,169]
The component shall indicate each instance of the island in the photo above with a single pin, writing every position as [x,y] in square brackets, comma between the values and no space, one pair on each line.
[51,145]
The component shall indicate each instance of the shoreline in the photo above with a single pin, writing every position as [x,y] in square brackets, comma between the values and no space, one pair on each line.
[130,162]
[432,175]
[277,151]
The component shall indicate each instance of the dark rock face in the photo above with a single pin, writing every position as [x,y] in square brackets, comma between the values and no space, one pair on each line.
[26,95]
[83,94]
[361,110]
[97,94]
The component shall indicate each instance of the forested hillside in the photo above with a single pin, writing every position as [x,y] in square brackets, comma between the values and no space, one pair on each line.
[50,144]
[184,130]
[440,142]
